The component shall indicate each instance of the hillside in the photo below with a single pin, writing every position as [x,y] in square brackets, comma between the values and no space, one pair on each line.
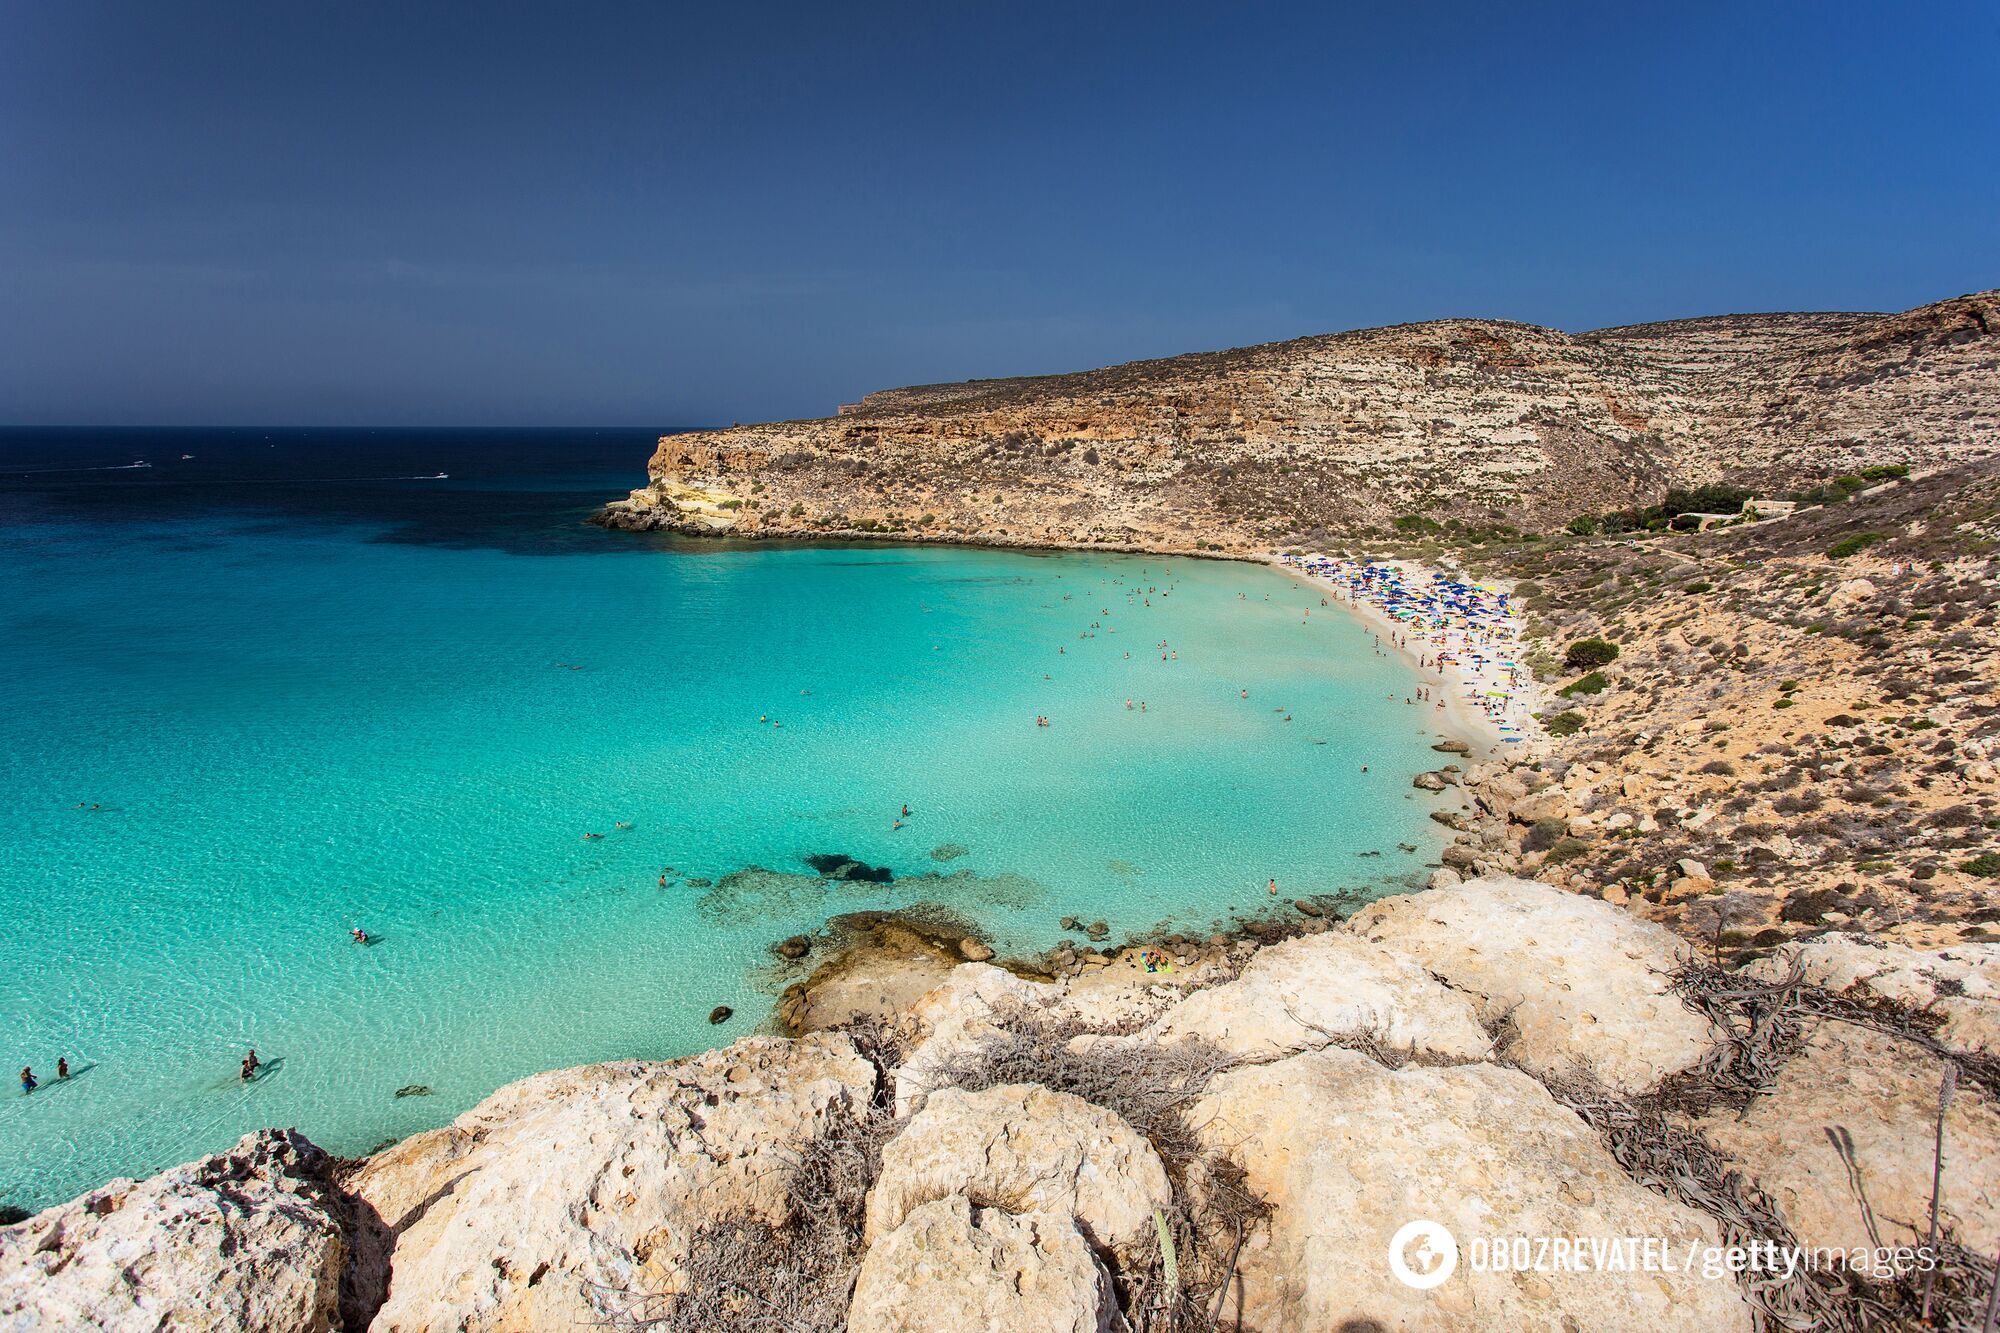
[1293,443]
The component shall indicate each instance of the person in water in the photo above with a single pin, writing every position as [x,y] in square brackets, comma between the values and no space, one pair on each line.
[28,1083]
[360,935]
[1274,887]
[251,1064]
[62,1068]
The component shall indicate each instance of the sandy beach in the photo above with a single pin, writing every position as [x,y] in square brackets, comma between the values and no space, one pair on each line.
[1489,695]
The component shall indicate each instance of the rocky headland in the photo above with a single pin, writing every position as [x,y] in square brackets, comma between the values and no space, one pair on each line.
[1319,439]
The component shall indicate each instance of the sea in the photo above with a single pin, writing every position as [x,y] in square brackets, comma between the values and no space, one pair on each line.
[261,687]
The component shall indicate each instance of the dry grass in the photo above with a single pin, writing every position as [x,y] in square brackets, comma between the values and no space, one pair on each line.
[1153,1087]
[749,1275]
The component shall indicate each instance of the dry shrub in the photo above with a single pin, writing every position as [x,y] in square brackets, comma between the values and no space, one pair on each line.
[750,1275]
[1153,1087]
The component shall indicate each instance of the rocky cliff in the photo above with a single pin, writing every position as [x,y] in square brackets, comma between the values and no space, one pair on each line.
[1290,443]
[1227,1144]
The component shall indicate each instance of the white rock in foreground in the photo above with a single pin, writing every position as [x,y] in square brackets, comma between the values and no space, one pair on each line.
[1960,985]
[1302,993]
[245,1241]
[1884,1094]
[1027,1149]
[953,1268]
[1584,982]
[1346,1152]
[527,1209]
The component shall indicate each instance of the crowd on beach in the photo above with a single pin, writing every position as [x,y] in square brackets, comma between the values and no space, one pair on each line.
[1465,633]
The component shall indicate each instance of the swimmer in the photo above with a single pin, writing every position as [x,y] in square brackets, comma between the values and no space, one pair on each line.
[1274,887]
[621,824]
[589,836]
[62,1068]
[1128,705]
[906,809]
[360,936]
[251,1064]
[1243,694]
[663,881]
[893,827]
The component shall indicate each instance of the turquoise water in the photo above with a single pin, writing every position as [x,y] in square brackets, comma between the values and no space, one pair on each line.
[296,721]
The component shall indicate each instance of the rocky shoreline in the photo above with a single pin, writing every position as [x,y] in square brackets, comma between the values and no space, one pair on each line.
[1229,1144]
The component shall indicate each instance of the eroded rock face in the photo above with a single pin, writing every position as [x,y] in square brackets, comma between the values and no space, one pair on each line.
[953,1268]
[1960,984]
[1584,984]
[1883,1093]
[518,1212]
[1303,993]
[1027,1149]
[1347,1151]
[247,1240]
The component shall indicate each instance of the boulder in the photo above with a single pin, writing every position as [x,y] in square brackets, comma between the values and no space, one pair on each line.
[1960,984]
[1883,1093]
[974,950]
[1027,1149]
[1308,992]
[516,1214]
[1443,878]
[956,1016]
[1346,1152]
[251,1239]
[951,1267]
[1583,983]
[1428,782]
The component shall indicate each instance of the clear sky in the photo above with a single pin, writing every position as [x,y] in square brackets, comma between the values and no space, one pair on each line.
[489,213]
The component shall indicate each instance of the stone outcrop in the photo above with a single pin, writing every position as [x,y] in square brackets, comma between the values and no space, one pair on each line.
[531,1209]
[1347,1152]
[1026,1149]
[1881,1094]
[1959,985]
[1335,1088]
[253,1240]
[1582,986]
[1480,418]
[1305,993]
[951,1267]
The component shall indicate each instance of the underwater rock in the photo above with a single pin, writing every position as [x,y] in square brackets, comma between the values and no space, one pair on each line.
[833,865]
[414,1090]
[949,851]
[798,946]
[1097,930]
[974,950]
[722,1013]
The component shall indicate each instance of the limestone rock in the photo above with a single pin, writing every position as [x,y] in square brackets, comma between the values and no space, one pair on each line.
[1583,983]
[1960,984]
[1024,1148]
[1304,993]
[251,1239]
[953,1268]
[1884,1093]
[596,1175]
[1346,1152]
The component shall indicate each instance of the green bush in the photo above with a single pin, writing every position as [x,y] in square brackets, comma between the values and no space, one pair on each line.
[1565,851]
[1856,544]
[1986,865]
[1593,683]
[1563,724]
[1587,653]
[1583,525]
[1415,524]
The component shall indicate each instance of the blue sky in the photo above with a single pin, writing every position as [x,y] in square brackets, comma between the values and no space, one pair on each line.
[657,214]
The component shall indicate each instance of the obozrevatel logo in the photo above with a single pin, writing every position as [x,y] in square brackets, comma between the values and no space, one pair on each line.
[1422,1254]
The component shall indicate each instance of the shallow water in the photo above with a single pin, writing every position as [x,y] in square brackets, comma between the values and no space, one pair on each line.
[298,705]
